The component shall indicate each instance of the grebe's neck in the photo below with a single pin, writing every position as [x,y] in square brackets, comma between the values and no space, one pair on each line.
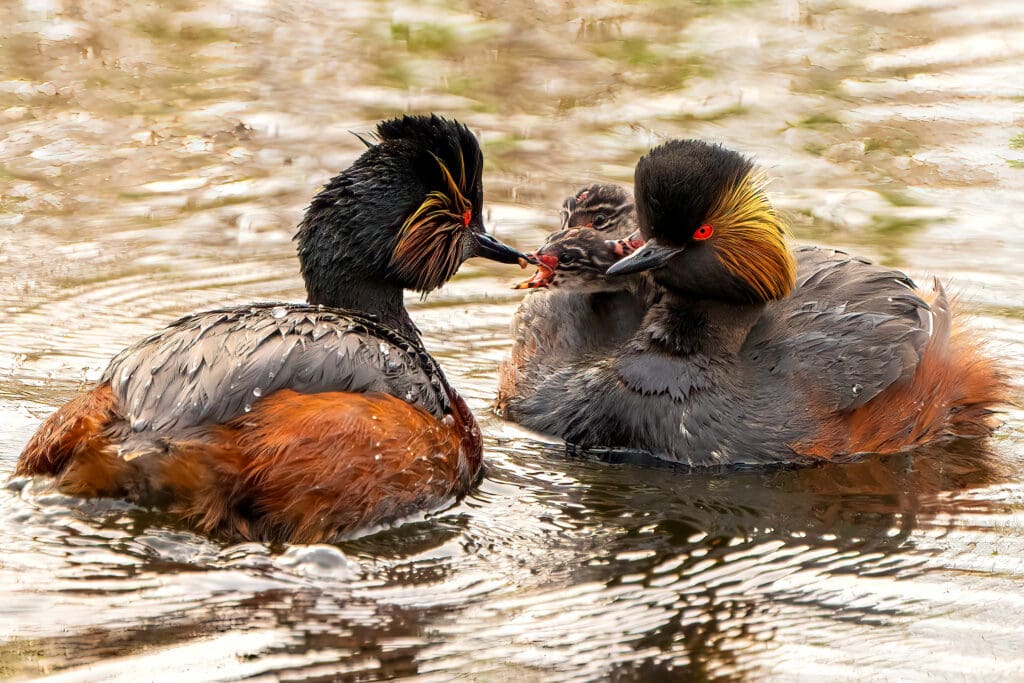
[377,300]
[685,326]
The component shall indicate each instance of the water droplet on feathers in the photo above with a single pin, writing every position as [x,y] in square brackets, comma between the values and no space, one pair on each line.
[248,408]
[278,312]
[857,388]
[257,392]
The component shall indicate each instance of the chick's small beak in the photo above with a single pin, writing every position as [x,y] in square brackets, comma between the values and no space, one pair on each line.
[490,248]
[648,257]
[545,275]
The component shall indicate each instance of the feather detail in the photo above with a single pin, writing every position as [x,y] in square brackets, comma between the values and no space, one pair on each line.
[751,238]
[429,248]
[366,139]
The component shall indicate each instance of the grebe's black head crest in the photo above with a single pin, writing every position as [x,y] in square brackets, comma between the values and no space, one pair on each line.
[407,212]
[710,230]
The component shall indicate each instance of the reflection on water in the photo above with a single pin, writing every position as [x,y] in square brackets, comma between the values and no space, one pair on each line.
[155,158]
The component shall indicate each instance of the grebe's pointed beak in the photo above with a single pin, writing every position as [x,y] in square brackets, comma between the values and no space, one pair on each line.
[489,247]
[648,257]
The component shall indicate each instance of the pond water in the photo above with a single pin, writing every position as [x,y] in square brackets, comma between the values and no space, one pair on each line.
[155,159]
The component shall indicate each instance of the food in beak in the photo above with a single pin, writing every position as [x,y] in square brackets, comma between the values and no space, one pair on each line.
[545,275]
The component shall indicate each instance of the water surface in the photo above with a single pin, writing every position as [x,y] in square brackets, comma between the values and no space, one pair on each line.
[155,160]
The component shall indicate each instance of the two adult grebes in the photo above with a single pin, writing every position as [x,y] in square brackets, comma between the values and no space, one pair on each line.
[757,355]
[302,423]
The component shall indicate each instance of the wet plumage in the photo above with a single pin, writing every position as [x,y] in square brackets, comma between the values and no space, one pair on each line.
[302,422]
[758,355]
[178,377]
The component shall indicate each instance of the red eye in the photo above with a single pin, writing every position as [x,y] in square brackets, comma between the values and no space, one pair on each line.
[466,218]
[703,232]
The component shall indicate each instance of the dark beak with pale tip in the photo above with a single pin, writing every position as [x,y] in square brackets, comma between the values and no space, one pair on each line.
[486,246]
[650,256]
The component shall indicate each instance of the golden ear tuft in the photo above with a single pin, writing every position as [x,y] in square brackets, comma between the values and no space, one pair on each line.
[751,238]
[429,247]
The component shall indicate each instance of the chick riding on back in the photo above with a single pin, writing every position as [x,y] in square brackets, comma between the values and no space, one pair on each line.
[574,309]
[755,354]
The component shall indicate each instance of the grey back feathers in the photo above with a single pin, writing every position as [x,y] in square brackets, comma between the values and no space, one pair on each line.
[853,331]
[213,366]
